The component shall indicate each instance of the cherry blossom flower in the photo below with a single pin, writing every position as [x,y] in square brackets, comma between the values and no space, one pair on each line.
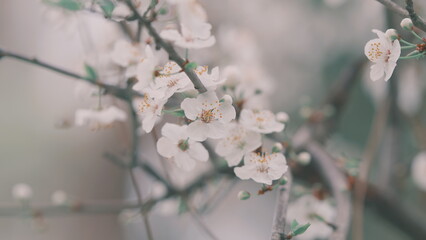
[418,170]
[262,121]
[177,145]
[187,39]
[308,209]
[193,16]
[149,108]
[209,115]
[262,167]
[99,118]
[172,79]
[146,69]
[384,54]
[237,143]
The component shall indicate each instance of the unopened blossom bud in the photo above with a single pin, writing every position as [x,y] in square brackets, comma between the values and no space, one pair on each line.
[278,147]
[59,198]
[391,34]
[304,158]
[283,180]
[243,195]
[406,23]
[282,117]
[22,192]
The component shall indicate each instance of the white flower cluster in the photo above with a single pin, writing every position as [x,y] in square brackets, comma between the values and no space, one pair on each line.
[229,112]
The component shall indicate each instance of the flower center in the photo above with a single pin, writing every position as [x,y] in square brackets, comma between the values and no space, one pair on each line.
[208,115]
[374,53]
[183,144]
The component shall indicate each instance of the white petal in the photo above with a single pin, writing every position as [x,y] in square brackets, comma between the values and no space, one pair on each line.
[184,162]
[377,71]
[191,107]
[198,131]
[174,132]
[166,148]
[198,151]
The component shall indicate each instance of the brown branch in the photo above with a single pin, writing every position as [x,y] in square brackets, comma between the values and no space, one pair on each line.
[417,21]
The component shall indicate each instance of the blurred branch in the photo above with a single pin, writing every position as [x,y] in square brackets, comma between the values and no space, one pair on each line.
[173,55]
[110,89]
[373,143]
[280,213]
[417,21]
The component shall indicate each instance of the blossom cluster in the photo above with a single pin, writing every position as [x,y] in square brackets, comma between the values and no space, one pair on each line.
[230,114]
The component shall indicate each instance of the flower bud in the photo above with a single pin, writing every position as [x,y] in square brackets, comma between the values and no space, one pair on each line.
[59,198]
[406,23]
[304,158]
[22,192]
[282,117]
[243,195]
[278,147]
[392,34]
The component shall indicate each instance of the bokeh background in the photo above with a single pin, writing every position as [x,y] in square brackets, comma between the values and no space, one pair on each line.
[303,46]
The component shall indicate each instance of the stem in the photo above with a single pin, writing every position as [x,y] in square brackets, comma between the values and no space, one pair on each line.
[408,43]
[173,55]
[110,89]
[408,47]
[417,35]
[412,56]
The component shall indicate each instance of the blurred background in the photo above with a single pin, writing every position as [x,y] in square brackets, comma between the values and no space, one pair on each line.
[303,46]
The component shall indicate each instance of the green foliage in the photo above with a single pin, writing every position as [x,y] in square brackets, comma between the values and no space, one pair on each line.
[176,112]
[91,74]
[72,5]
[107,7]
[191,65]
[297,229]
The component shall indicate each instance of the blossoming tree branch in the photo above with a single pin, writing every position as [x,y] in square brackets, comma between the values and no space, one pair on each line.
[218,115]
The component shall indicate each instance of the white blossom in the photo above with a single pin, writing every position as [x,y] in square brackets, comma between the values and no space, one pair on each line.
[262,167]
[98,118]
[237,143]
[146,68]
[384,54]
[172,79]
[178,146]
[418,170]
[262,121]
[149,108]
[22,192]
[126,53]
[209,115]
[186,39]
[282,117]
[406,23]
[308,209]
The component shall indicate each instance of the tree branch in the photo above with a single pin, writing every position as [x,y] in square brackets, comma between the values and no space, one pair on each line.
[173,55]
[417,21]
[280,213]
[110,89]
[420,23]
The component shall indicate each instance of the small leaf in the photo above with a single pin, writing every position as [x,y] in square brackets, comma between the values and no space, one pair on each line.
[163,11]
[294,225]
[190,65]
[107,6]
[72,5]
[176,112]
[301,229]
[90,73]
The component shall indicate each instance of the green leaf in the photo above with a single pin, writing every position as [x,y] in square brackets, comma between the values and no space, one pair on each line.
[191,65]
[107,6]
[72,5]
[163,11]
[90,73]
[301,229]
[294,225]
[176,112]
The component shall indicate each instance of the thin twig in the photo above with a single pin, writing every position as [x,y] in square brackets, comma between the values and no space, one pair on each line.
[417,21]
[421,24]
[280,213]
[110,89]
[173,55]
